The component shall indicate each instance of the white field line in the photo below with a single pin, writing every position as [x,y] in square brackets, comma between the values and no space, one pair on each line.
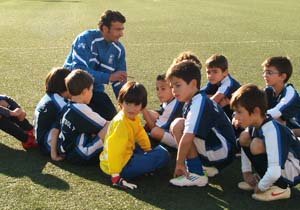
[163,44]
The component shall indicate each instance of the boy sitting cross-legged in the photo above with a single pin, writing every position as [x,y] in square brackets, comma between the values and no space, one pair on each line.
[207,137]
[267,145]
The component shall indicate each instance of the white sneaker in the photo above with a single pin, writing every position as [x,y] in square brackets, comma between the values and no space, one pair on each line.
[245,186]
[274,193]
[210,171]
[191,180]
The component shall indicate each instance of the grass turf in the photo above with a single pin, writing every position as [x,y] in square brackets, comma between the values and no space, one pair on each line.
[37,34]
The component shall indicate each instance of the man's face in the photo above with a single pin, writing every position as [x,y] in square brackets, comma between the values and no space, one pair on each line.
[114,33]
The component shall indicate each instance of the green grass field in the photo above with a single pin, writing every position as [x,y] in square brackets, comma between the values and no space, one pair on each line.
[37,34]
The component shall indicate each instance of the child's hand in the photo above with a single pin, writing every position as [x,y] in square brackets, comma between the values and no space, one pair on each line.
[180,170]
[235,123]
[250,178]
[19,113]
[224,102]
[122,183]
[257,190]
[57,157]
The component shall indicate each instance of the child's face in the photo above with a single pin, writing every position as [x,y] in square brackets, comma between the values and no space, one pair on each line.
[182,91]
[131,110]
[163,91]
[272,76]
[87,94]
[243,118]
[215,75]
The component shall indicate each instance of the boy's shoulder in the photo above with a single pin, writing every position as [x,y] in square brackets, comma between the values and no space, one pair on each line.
[232,80]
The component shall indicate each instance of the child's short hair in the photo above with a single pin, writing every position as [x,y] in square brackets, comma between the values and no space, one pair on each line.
[77,81]
[55,80]
[110,16]
[187,55]
[161,77]
[249,96]
[133,92]
[186,70]
[217,61]
[282,64]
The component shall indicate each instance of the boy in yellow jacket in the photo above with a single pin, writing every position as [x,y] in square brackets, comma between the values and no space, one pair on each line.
[120,157]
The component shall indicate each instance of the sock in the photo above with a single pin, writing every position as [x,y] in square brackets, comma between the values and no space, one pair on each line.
[169,140]
[195,166]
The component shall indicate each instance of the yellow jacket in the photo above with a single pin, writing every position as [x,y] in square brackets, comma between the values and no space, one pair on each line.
[119,143]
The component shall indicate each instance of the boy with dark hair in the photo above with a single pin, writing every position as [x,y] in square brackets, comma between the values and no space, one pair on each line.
[48,109]
[127,151]
[13,121]
[159,121]
[81,130]
[207,137]
[268,146]
[220,84]
[100,53]
[283,99]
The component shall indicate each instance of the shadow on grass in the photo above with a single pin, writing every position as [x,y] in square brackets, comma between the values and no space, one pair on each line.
[20,163]
[221,193]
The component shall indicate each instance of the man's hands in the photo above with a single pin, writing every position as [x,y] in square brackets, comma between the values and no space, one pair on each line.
[119,76]
[122,183]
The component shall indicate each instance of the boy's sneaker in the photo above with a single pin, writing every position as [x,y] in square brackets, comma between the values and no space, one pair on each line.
[191,180]
[30,143]
[274,193]
[245,186]
[210,171]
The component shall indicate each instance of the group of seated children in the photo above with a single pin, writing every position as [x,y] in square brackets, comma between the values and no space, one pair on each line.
[201,123]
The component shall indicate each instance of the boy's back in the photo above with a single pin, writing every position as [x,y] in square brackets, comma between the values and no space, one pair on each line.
[78,119]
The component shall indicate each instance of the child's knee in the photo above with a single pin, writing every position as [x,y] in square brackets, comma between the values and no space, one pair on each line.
[177,125]
[162,154]
[157,133]
[257,146]
[245,139]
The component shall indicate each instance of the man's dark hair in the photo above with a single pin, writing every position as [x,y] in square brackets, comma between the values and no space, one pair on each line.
[110,16]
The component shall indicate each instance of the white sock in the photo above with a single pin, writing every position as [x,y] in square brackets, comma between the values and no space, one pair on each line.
[169,140]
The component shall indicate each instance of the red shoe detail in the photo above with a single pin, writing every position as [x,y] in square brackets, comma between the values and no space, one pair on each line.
[30,143]
[31,132]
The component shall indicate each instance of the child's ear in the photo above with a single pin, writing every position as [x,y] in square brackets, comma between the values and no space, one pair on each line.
[284,76]
[257,111]
[194,82]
